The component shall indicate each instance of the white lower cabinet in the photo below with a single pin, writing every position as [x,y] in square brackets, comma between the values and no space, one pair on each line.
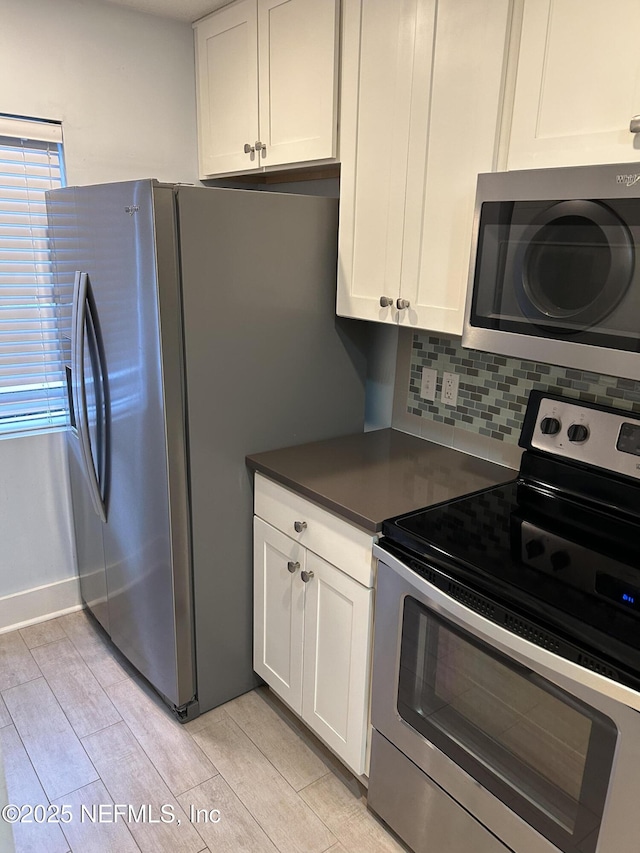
[335,681]
[312,636]
[278,629]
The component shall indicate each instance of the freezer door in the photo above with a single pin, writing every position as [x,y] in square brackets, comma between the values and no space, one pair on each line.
[85,380]
[146,534]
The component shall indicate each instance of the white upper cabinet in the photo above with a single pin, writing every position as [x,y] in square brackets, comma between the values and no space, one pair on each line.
[453,137]
[298,72]
[577,85]
[421,105]
[267,73]
[377,58]
[227,80]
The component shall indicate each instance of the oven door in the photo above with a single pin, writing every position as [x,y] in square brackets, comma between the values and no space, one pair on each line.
[527,742]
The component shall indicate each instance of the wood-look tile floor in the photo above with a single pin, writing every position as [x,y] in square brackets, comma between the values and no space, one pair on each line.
[79,728]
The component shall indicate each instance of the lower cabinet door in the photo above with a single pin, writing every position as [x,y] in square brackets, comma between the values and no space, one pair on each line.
[337,638]
[278,612]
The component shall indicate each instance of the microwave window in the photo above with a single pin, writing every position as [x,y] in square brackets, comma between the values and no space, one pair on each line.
[565,266]
[559,269]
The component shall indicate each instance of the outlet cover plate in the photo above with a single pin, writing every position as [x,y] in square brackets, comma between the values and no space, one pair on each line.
[429,383]
[449,394]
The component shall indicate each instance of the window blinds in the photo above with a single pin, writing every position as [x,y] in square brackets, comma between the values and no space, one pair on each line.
[32,387]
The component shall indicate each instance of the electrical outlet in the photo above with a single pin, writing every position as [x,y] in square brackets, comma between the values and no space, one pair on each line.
[429,383]
[449,394]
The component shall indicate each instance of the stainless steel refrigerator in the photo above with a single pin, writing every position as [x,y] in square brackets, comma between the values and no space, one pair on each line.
[199,326]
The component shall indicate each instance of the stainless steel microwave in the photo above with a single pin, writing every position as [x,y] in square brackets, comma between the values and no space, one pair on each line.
[555,267]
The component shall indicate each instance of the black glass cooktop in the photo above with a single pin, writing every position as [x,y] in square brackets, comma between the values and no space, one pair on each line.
[570,562]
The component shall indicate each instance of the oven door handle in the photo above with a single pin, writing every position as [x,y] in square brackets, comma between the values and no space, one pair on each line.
[554,668]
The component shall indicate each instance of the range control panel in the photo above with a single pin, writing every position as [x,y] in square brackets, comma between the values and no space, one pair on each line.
[600,437]
[576,565]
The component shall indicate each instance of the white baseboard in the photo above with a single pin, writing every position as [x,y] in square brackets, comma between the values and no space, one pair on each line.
[39,604]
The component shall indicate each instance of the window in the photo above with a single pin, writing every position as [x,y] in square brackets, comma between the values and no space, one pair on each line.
[32,386]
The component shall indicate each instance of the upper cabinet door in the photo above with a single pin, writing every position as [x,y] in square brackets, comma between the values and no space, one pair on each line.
[455,110]
[298,73]
[227,88]
[421,102]
[377,66]
[578,84]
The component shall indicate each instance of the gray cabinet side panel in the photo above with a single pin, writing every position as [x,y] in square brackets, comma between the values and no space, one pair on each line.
[268,365]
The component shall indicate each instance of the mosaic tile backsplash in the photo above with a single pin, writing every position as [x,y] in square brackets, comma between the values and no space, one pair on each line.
[493,390]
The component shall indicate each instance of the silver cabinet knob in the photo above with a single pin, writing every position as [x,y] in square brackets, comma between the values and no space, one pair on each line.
[634,125]
[306,576]
[293,566]
[248,149]
[260,146]
[402,303]
[299,526]
[386,301]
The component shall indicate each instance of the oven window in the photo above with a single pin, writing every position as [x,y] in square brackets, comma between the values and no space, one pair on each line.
[547,755]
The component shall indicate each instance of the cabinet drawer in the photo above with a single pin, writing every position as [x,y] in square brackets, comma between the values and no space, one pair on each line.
[338,541]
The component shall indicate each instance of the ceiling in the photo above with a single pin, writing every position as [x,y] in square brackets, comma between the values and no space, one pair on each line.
[182,10]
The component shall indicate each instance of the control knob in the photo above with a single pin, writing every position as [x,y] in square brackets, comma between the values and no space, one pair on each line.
[578,433]
[550,426]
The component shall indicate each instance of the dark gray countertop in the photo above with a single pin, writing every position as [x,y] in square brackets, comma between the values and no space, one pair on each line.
[371,476]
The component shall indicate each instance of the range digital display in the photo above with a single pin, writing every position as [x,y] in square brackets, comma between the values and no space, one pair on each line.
[618,590]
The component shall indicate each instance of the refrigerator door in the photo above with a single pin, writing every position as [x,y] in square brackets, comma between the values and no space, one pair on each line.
[145,538]
[69,258]
[268,365]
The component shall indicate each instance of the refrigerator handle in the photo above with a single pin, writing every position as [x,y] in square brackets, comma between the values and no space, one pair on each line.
[98,364]
[78,322]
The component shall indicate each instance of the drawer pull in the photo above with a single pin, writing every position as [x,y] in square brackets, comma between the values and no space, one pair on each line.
[293,567]
[299,526]
[306,576]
